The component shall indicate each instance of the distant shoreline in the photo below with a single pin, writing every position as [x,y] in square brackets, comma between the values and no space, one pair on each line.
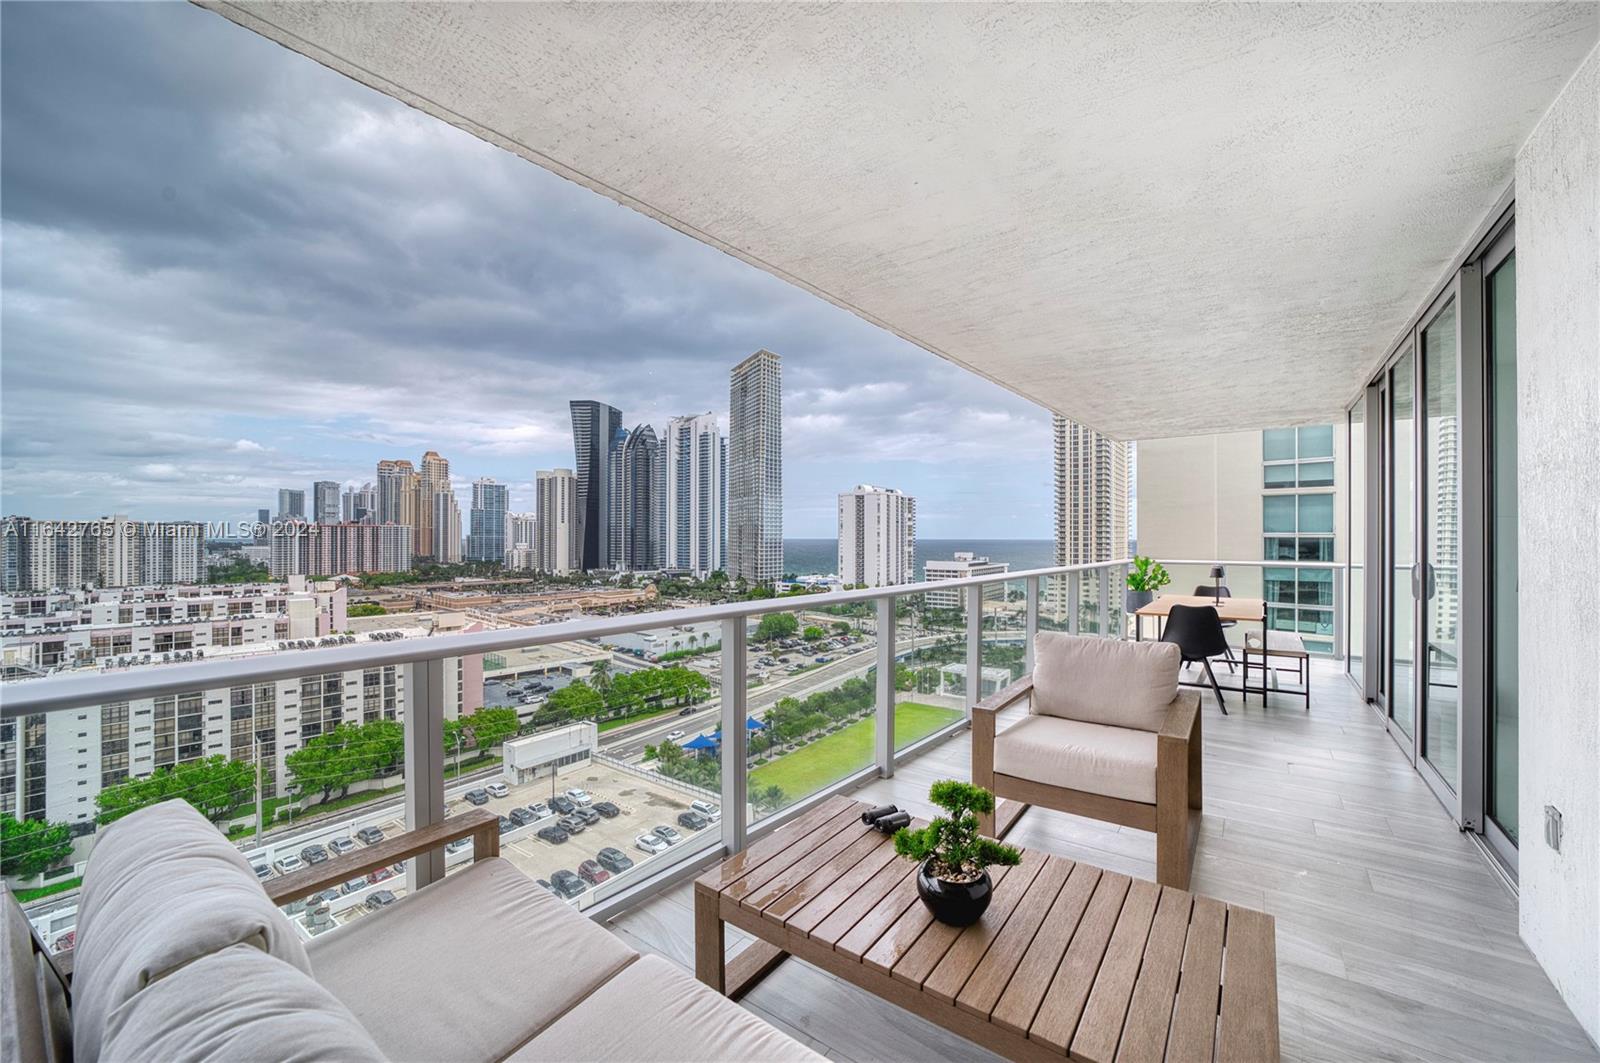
[820,557]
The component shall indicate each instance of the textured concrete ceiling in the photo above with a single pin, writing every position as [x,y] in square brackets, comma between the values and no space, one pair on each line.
[1156,219]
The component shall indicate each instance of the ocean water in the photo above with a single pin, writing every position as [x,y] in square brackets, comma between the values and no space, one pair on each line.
[820,557]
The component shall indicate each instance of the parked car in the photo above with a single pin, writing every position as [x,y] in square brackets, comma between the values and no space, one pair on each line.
[477,797]
[693,820]
[592,873]
[506,825]
[707,809]
[380,899]
[313,854]
[381,874]
[668,835]
[562,804]
[673,736]
[566,884]
[580,796]
[458,845]
[572,824]
[687,710]
[328,896]
[539,809]
[553,834]
[354,884]
[263,870]
[340,846]
[649,843]
[369,835]
[288,864]
[498,789]
[589,816]
[614,860]
[607,809]
[521,816]
[547,886]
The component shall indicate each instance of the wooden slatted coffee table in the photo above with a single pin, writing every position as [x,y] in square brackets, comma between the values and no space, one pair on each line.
[1068,960]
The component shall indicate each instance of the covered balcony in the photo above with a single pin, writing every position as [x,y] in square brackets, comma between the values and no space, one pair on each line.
[1163,222]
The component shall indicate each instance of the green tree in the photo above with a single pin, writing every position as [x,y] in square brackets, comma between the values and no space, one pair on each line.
[776,626]
[840,627]
[214,785]
[366,609]
[600,676]
[490,727]
[346,755]
[812,633]
[30,846]
[769,799]
[576,701]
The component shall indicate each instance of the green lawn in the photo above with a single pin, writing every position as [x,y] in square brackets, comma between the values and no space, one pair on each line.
[24,896]
[834,756]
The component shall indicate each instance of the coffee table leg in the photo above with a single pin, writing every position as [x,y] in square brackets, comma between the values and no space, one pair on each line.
[708,941]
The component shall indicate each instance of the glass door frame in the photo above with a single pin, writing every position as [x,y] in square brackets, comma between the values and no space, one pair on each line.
[1381,526]
[1460,295]
[1478,556]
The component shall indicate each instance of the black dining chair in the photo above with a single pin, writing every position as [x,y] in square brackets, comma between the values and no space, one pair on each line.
[1197,633]
[1216,593]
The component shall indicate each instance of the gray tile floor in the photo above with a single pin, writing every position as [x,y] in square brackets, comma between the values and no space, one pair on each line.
[1395,939]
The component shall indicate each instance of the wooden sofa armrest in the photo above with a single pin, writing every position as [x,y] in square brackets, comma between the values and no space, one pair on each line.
[479,824]
[1183,715]
[1000,699]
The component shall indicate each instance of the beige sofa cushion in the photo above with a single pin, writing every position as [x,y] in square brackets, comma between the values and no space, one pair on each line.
[653,1012]
[1094,758]
[468,968]
[1109,681]
[237,1004]
[163,887]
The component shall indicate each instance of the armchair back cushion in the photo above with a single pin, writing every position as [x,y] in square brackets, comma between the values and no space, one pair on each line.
[163,888]
[1105,681]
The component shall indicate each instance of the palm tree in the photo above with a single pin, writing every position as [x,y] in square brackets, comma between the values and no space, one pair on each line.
[600,676]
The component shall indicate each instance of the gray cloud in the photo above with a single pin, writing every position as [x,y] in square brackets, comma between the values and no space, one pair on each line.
[227,269]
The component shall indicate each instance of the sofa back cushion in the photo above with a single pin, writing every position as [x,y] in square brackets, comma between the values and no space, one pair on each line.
[163,888]
[237,1004]
[1109,681]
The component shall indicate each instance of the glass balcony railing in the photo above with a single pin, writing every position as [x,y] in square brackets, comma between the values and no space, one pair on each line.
[631,747]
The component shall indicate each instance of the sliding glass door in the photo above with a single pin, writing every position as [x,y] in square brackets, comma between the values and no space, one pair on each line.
[1439,573]
[1433,534]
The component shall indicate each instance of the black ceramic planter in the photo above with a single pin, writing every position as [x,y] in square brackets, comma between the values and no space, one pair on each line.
[1133,601]
[954,903]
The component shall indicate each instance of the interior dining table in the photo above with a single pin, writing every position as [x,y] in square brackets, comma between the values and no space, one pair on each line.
[1239,610]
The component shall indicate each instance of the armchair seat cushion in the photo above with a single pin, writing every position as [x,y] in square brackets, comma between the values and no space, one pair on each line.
[1094,758]
[468,968]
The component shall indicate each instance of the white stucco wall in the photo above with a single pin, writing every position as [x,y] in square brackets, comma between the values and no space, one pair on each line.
[1558,415]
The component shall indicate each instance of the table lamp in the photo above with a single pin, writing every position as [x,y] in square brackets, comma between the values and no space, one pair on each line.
[1216,578]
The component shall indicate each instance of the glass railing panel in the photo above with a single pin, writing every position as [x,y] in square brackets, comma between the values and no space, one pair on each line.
[1003,635]
[931,664]
[811,705]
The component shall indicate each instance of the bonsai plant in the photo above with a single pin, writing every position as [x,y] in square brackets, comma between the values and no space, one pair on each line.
[1145,578]
[952,880]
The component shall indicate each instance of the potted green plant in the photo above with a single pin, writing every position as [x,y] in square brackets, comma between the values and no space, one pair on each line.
[953,880]
[1145,578]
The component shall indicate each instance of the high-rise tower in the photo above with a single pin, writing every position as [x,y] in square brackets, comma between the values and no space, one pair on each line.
[594,426]
[696,487]
[755,469]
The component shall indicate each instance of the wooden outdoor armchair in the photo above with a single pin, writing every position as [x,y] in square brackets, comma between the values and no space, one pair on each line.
[1108,735]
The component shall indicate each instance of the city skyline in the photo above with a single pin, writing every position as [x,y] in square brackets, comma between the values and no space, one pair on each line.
[180,346]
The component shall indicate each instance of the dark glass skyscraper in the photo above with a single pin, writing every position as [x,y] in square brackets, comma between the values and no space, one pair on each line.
[594,426]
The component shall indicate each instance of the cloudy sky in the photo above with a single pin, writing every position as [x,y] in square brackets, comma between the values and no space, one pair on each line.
[227,270]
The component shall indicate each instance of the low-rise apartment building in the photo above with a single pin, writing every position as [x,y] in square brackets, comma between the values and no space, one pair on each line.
[965,563]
